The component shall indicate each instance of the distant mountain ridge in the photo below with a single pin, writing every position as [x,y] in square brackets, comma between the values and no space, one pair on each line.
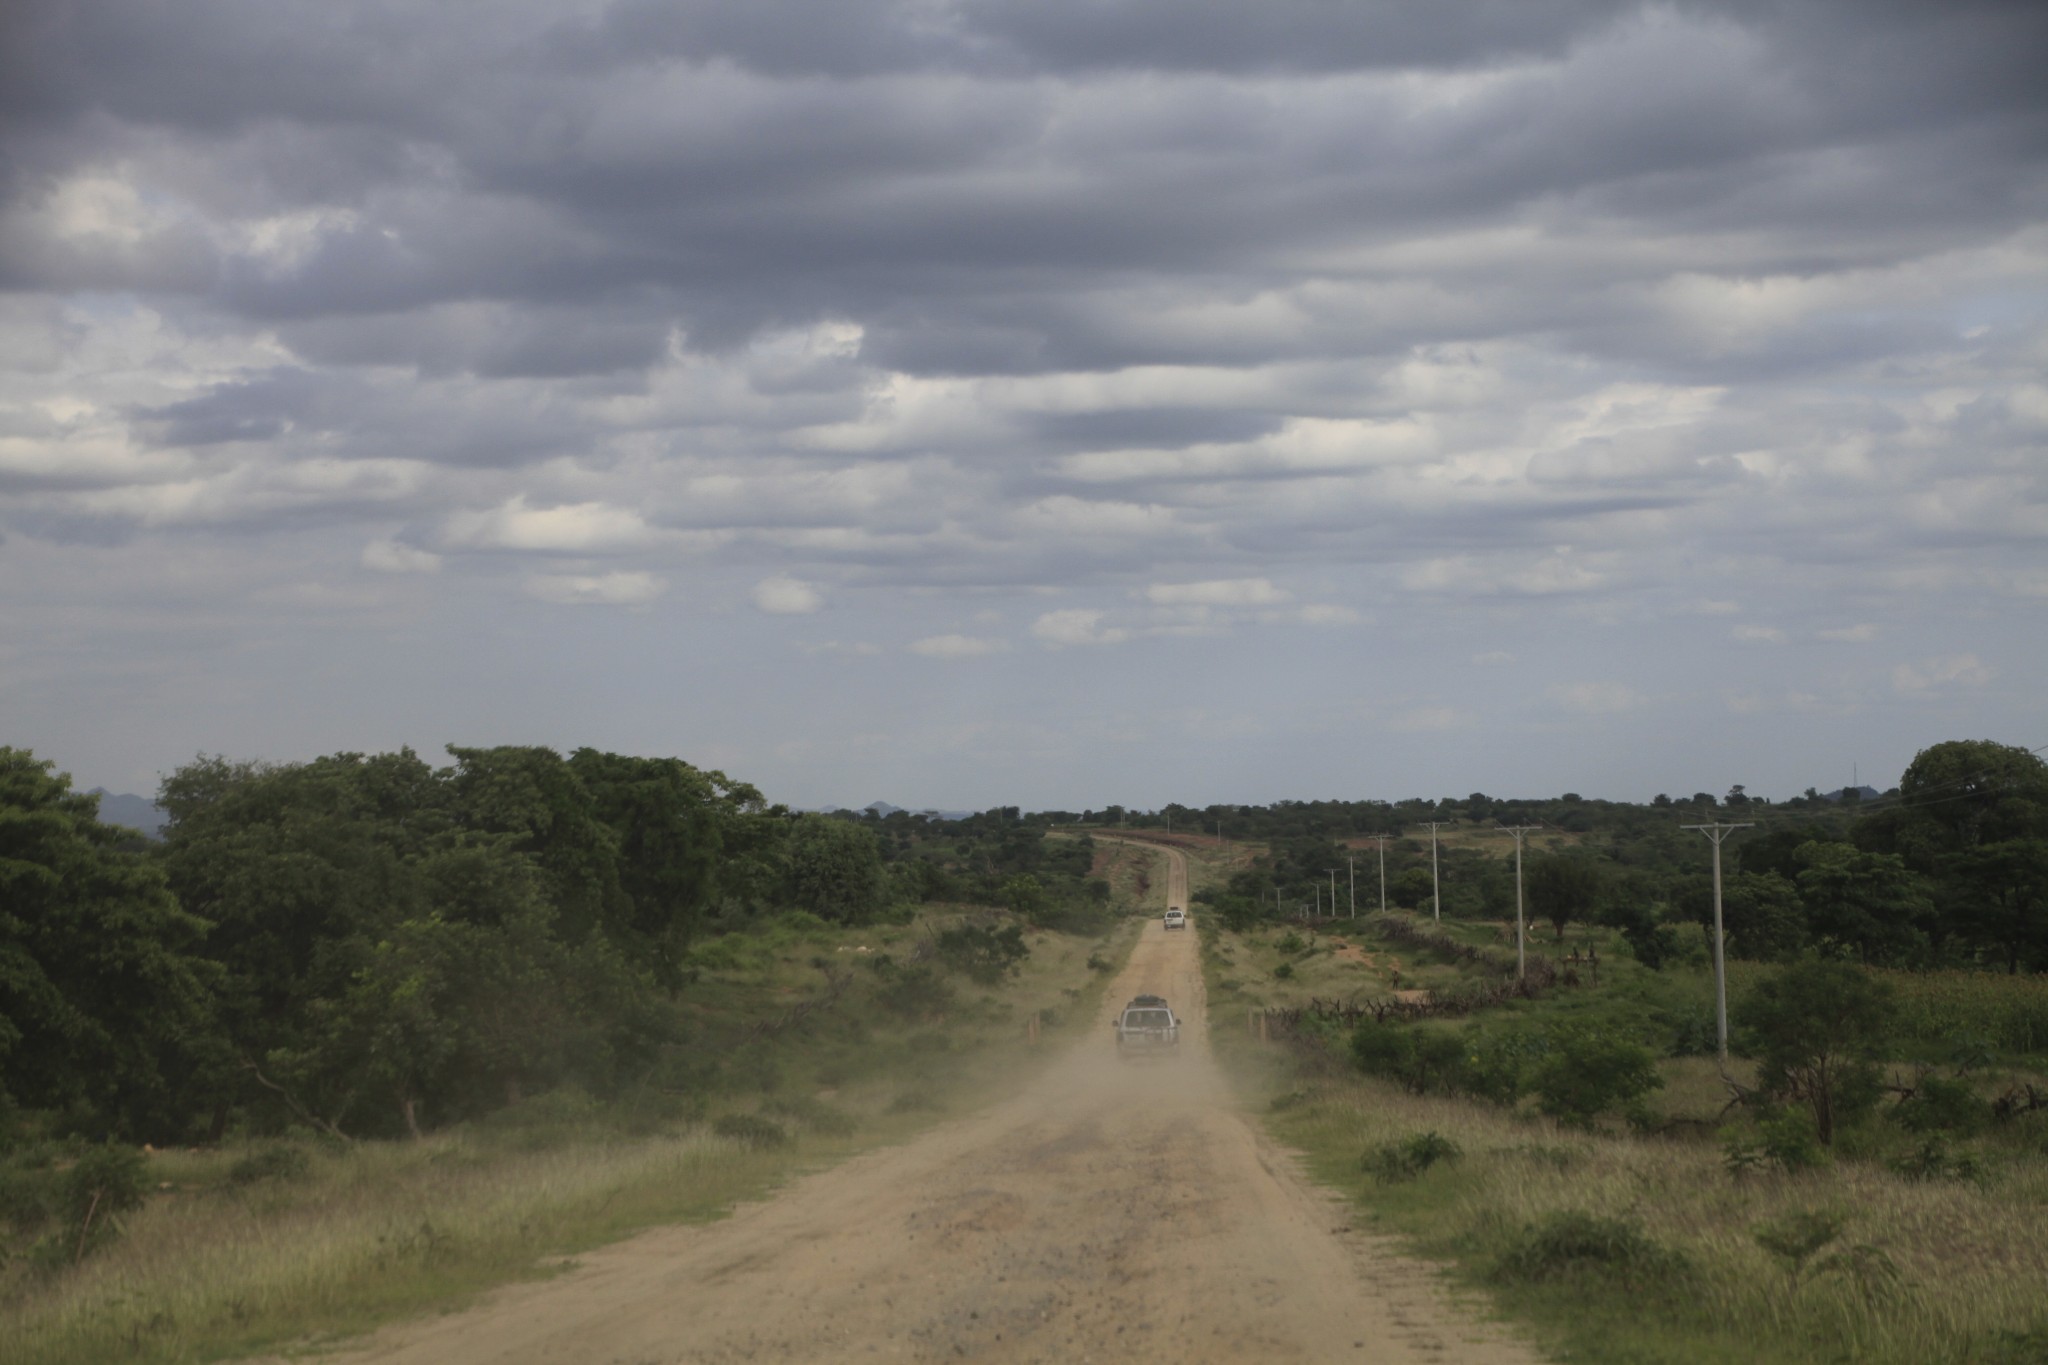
[136,812]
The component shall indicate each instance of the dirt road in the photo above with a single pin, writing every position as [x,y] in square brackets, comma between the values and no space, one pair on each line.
[1110,1211]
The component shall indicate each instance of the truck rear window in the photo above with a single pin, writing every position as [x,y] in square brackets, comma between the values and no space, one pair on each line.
[1147,1019]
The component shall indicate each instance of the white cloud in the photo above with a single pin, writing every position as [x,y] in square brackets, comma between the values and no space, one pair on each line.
[627,587]
[1596,698]
[1326,614]
[1216,592]
[784,596]
[577,528]
[1076,626]
[1763,633]
[1860,634]
[857,648]
[389,556]
[1556,574]
[1492,658]
[1716,608]
[1964,670]
[956,647]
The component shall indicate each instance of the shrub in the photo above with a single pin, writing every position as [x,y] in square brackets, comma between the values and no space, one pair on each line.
[105,1182]
[1939,1105]
[1422,1060]
[915,992]
[1496,1065]
[1587,1073]
[1393,1162]
[1785,1140]
[1574,1243]
[1932,1160]
[751,1129]
[985,955]
[1283,971]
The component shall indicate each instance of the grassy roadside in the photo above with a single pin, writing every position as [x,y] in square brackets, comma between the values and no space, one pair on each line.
[1616,1247]
[294,1243]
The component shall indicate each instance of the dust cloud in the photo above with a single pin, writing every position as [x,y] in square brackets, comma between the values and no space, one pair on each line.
[1111,1210]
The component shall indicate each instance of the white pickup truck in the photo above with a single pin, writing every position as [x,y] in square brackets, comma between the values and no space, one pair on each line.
[1176,918]
[1147,1028]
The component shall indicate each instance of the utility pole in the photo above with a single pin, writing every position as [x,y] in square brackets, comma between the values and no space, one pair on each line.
[1521,935]
[1715,834]
[1436,900]
[1333,893]
[1383,871]
[1352,864]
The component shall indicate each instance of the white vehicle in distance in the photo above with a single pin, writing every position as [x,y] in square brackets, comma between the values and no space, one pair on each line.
[1147,1028]
[1176,918]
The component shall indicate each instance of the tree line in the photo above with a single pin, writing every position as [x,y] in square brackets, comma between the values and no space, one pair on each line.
[372,944]
[1949,869]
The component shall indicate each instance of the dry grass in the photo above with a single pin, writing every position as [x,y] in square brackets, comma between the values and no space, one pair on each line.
[1970,1260]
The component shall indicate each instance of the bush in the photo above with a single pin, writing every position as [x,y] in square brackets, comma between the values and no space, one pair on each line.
[1587,1074]
[916,992]
[1422,1060]
[1786,1140]
[751,1129]
[1393,1162]
[1932,1160]
[1283,971]
[985,955]
[1497,1064]
[104,1183]
[1574,1243]
[1938,1105]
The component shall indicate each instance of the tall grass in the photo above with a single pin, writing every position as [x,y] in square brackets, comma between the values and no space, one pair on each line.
[1971,1267]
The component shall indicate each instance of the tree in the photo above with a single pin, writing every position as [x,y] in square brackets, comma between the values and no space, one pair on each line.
[1819,1029]
[835,869]
[668,827]
[105,1004]
[1867,903]
[1562,887]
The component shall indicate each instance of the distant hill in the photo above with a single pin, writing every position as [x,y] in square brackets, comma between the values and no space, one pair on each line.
[1860,793]
[136,812]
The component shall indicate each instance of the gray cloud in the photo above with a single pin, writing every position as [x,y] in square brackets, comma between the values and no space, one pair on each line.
[978,318]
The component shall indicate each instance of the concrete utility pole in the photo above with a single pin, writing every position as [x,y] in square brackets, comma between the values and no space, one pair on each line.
[1521,935]
[1352,864]
[1715,834]
[1436,900]
[1383,871]
[1333,893]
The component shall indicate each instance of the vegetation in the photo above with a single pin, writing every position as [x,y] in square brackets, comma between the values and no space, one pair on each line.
[1864,1180]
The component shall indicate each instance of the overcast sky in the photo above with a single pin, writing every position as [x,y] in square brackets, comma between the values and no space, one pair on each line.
[1054,402]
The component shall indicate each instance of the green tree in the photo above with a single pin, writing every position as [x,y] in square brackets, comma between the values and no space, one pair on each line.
[1818,1030]
[1867,903]
[105,1004]
[1562,887]
[836,870]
